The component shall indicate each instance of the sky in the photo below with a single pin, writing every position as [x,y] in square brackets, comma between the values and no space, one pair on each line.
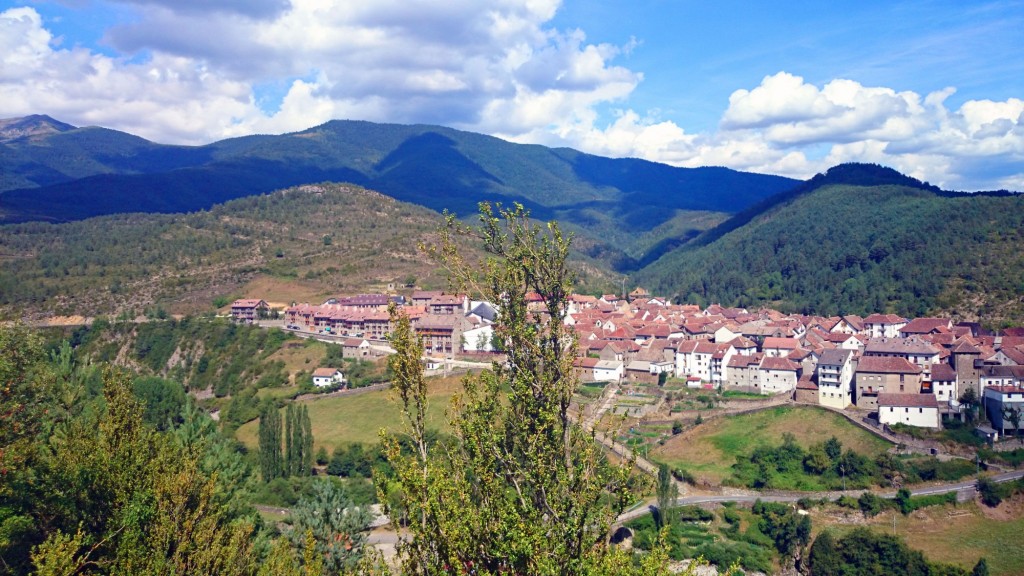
[934,89]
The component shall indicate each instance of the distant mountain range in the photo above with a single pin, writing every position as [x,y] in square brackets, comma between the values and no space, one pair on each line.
[56,172]
[859,238]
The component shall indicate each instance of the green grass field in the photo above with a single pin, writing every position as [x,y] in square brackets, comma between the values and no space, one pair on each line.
[958,534]
[343,419]
[709,450]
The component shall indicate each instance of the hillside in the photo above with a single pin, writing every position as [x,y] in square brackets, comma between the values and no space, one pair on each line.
[297,244]
[893,245]
[55,172]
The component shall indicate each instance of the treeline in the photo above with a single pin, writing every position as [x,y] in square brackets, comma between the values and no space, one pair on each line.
[89,484]
[827,466]
[845,249]
[863,552]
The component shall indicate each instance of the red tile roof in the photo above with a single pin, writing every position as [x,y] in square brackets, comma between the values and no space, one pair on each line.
[907,400]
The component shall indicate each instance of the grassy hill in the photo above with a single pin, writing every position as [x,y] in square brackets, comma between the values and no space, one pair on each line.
[870,241]
[709,450]
[61,173]
[299,244]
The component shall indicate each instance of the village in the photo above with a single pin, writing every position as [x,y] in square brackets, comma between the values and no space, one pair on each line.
[897,371]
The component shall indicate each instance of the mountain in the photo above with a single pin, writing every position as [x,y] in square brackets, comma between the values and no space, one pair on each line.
[299,244]
[62,173]
[859,239]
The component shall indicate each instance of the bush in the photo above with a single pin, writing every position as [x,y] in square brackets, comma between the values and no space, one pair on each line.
[870,504]
[684,476]
[848,502]
[992,493]
[694,514]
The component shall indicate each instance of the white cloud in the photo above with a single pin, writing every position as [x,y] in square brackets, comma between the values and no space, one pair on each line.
[187,73]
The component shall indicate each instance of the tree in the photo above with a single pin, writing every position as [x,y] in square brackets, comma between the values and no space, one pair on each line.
[307,442]
[833,448]
[667,492]
[291,442]
[825,559]
[338,527]
[1012,414]
[520,488]
[969,400]
[271,462]
[981,568]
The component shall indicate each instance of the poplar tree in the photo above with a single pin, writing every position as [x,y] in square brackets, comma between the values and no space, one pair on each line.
[271,465]
[290,437]
[307,442]
[521,488]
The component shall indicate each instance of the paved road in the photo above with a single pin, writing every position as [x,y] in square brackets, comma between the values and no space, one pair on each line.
[793,497]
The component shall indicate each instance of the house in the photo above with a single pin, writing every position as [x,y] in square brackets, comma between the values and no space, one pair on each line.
[835,378]
[849,324]
[639,371]
[328,377]
[921,410]
[778,375]
[440,334]
[448,304]
[877,374]
[806,390]
[943,383]
[355,348]
[915,350]
[998,400]
[743,373]
[922,326]
[884,325]
[248,311]
[597,370]
[479,337]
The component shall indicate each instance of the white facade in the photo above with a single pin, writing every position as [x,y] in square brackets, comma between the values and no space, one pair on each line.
[920,416]
[325,378]
[478,339]
[608,371]
[835,379]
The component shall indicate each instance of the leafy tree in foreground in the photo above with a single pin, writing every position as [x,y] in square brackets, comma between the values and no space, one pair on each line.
[521,488]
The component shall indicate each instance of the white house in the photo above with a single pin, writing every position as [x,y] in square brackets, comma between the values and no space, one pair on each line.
[921,410]
[778,375]
[998,398]
[327,377]
[608,371]
[884,325]
[835,378]
[478,338]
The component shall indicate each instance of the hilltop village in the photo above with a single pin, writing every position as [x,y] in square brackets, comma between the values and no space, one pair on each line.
[914,372]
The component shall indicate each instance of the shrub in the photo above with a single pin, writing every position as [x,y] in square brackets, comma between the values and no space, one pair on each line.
[694,514]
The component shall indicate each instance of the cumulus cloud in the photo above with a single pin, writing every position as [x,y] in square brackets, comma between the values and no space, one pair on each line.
[191,71]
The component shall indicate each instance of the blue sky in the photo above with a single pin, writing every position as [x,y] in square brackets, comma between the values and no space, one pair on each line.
[931,88]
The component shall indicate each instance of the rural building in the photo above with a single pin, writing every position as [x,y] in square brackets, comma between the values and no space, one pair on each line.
[920,410]
[878,374]
[327,377]
[998,401]
[248,311]
[835,378]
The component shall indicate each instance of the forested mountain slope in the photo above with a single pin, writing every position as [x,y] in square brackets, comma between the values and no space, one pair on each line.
[56,172]
[298,243]
[902,247]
